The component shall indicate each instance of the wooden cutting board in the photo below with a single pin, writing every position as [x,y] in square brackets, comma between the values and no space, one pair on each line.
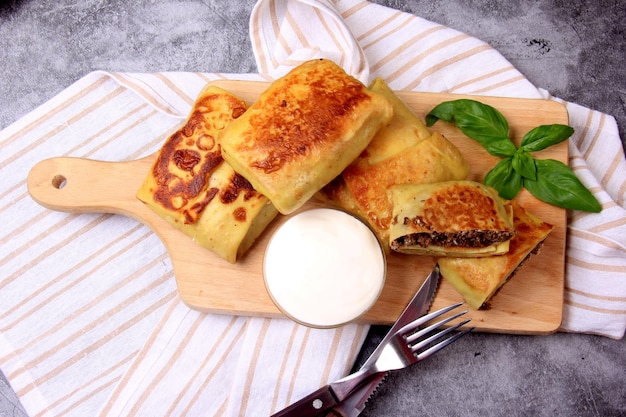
[531,302]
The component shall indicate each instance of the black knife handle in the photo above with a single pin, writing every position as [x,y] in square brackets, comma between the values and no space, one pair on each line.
[310,406]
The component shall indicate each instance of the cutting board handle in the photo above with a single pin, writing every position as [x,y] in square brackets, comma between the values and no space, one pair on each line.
[81,185]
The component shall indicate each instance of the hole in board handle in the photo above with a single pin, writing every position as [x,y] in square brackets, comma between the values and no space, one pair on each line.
[59,181]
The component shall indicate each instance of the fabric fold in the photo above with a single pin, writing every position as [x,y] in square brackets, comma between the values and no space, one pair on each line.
[285,33]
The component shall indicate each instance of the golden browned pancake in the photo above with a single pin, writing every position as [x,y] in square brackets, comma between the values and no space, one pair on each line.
[403,131]
[431,160]
[478,279]
[402,152]
[451,218]
[305,129]
[195,190]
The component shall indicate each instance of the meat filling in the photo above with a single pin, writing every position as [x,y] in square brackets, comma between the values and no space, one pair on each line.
[466,239]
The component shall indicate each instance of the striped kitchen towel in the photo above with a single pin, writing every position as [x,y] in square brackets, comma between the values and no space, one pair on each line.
[91,323]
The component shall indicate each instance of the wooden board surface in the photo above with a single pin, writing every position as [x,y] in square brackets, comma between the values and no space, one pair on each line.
[531,302]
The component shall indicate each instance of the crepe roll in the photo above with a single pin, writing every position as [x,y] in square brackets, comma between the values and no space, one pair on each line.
[363,189]
[195,190]
[303,131]
[404,131]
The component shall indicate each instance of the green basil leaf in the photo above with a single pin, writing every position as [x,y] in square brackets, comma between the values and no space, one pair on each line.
[444,111]
[500,147]
[546,135]
[505,179]
[558,185]
[471,114]
[478,121]
[524,164]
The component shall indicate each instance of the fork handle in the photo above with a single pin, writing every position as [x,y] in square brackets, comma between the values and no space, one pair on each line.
[312,405]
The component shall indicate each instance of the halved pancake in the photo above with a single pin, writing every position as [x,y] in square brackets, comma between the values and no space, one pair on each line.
[478,279]
[195,190]
[305,129]
[450,218]
[402,152]
[431,160]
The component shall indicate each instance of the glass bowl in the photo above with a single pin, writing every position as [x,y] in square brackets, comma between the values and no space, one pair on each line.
[324,268]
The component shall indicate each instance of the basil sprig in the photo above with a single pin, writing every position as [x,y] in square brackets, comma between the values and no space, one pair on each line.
[479,122]
[548,180]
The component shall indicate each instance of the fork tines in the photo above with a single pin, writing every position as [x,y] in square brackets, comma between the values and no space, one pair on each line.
[426,343]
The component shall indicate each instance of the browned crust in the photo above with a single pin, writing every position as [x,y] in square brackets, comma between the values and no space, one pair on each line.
[301,123]
[195,152]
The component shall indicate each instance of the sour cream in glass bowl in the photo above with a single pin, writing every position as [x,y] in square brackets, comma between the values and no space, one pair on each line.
[324,268]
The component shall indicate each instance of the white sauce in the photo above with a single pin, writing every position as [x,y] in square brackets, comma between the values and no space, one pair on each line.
[324,268]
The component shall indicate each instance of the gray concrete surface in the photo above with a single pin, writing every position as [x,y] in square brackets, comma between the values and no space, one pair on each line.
[575,49]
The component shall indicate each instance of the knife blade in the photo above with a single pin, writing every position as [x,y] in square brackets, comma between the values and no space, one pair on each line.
[418,306]
[323,400]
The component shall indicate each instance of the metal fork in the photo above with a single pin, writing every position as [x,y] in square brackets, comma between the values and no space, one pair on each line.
[406,347]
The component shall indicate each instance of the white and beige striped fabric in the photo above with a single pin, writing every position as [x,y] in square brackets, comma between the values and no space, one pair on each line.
[90,321]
